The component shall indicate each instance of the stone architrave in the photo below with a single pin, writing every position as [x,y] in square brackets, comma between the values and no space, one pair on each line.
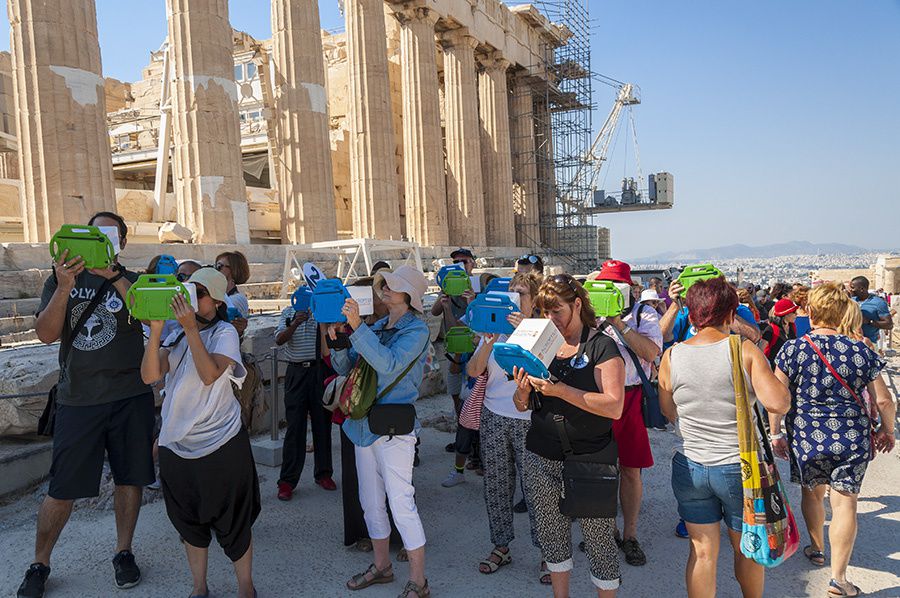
[524,162]
[423,155]
[373,170]
[305,185]
[496,161]
[64,155]
[206,162]
[465,194]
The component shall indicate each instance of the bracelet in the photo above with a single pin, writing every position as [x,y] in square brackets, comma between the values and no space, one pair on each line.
[778,436]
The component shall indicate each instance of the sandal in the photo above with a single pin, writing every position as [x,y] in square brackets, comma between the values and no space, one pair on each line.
[402,556]
[493,566]
[363,545]
[545,578]
[836,589]
[816,557]
[411,586]
[360,581]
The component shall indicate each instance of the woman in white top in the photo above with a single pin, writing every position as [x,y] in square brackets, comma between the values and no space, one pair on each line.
[503,431]
[209,479]
[696,388]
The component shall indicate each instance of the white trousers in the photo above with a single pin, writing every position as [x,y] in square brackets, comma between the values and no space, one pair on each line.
[385,469]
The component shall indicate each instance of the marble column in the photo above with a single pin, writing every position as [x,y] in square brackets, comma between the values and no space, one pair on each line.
[496,160]
[524,163]
[546,173]
[206,164]
[373,172]
[465,193]
[423,153]
[60,107]
[304,174]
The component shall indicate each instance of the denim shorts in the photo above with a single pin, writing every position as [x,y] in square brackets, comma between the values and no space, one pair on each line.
[707,494]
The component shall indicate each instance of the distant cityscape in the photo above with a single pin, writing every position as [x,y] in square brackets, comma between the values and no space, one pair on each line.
[766,271]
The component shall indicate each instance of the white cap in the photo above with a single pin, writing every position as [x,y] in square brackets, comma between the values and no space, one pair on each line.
[649,295]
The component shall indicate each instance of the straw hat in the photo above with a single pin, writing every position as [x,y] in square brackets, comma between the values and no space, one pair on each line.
[404,279]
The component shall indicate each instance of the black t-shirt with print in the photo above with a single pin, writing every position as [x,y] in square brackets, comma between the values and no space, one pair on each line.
[104,364]
[588,433]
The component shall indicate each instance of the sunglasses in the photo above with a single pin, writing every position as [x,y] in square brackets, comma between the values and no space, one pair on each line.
[182,277]
[201,292]
[221,266]
[567,280]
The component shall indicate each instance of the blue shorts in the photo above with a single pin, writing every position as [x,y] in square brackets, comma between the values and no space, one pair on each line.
[707,494]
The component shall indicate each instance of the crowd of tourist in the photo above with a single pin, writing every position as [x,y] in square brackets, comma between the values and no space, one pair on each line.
[808,356]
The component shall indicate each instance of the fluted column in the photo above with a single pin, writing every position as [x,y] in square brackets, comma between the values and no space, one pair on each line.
[423,155]
[465,194]
[60,106]
[305,185]
[206,163]
[496,161]
[373,172]
[524,164]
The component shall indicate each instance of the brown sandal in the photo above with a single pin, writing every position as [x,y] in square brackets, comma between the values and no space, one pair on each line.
[360,581]
[411,586]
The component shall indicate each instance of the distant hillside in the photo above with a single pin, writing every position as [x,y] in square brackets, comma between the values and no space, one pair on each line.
[745,251]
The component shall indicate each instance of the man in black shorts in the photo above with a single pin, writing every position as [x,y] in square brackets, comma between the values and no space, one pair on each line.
[103,407]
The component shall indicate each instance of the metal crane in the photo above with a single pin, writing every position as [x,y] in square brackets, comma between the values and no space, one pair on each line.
[631,197]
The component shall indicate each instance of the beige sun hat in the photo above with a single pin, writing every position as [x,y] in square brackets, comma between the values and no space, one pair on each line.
[214,281]
[404,279]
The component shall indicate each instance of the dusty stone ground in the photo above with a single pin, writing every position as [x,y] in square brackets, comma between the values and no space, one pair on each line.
[299,552]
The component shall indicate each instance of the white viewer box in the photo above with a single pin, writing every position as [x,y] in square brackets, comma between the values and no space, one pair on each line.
[363,296]
[539,337]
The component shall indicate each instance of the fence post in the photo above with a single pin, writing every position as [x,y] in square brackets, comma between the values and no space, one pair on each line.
[274,406]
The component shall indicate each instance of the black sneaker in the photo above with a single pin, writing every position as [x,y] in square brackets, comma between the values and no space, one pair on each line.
[520,507]
[450,448]
[33,584]
[127,573]
[634,556]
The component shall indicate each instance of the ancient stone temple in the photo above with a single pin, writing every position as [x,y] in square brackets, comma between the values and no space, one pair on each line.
[416,123]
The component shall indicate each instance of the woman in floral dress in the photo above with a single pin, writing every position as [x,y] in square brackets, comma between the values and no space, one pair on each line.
[829,430]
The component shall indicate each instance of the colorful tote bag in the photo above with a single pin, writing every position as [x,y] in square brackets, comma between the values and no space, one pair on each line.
[769,533]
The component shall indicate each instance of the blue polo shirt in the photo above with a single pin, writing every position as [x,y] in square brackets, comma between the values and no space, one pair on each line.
[683,330]
[873,308]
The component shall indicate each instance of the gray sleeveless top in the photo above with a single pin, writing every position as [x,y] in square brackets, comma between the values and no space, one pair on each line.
[703,391]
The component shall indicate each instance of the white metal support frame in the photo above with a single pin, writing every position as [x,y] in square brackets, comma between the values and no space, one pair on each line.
[349,254]
[160,184]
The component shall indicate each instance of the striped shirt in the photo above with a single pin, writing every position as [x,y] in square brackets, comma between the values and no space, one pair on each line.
[302,345]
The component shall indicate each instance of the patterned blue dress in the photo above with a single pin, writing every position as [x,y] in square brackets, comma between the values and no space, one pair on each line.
[827,430]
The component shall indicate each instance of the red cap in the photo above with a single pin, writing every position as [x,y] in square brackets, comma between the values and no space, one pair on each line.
[784,307]
[615,271]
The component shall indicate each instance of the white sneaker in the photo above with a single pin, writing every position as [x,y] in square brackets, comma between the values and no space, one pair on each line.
[454,479]
[154,485]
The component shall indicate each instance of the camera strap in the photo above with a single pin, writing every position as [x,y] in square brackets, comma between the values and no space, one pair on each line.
[65,346]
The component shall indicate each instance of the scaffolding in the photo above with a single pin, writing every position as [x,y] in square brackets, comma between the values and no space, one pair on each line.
[561,112]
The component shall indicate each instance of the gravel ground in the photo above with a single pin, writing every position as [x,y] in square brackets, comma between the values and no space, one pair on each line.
[299,552]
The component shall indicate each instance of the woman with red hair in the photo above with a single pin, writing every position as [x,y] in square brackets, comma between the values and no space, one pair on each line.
[696,388]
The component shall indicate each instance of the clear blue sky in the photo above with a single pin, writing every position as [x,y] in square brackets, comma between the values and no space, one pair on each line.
[779,120]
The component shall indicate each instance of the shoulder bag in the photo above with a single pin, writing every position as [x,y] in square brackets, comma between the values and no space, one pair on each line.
[590,480]
[394,419]
[48,417]
[769,532]
[864,409]
[650,410]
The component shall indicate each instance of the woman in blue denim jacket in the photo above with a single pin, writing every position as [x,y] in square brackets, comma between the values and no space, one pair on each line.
[385,464]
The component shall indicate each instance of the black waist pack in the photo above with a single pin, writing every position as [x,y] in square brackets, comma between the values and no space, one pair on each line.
[590,481]
[392,420]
